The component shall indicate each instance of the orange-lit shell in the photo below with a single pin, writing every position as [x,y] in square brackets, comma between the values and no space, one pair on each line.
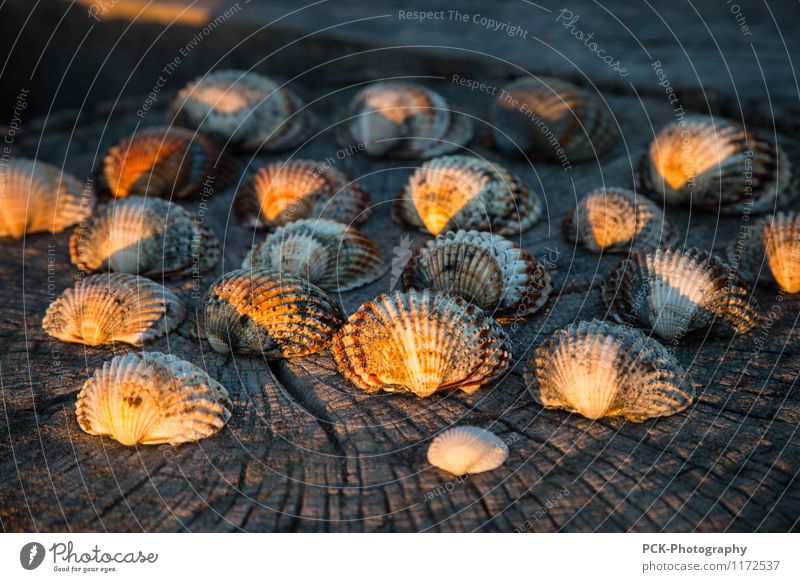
[769,251]
[151,398]
[600,369]
[37,197]
[421,343]
[486,269]
[329,254]
[115,307]
[467,450]
[674,292]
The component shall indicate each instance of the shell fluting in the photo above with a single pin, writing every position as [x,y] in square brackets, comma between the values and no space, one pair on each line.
[769,251]
[467,450]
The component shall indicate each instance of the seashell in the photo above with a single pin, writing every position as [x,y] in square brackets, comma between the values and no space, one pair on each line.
[115,307]
[262,311]
[39,197]
[403,120]
[616,220]
[421,343]
[674,292]
[551,119]
[770,251]
[599,369]
[716,164]
[244,109]
[165,161]
[331,255]
[287,191]
[145,236]
[151,398]
[465,193]
[486,269]
[467,449]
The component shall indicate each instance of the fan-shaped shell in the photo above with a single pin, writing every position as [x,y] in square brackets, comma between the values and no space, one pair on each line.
[551,119]
[600,369]
[421,343]
[674,292]
[405,120]
[486,269]
[467,449]
[262,311]
[769,251]
[115,307]
[38,197]
[145,236]
[287,191]
[152,398]
[463,192]
[331,255]
[617,220]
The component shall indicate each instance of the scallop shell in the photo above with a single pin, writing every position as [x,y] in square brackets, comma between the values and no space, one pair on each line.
[152,398]
[551,119]
[421,343]
[38,197]
[467,449]
[244,109]
[287,191]
[716,164]
[600,369]
[403,120]
[329,254]
[463,192]
[674,292]
[117,307]
[486,269]
[616,221]
[769,251]
[145,236]
[262,311]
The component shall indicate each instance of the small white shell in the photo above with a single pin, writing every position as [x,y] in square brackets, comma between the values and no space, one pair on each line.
[467,449]
[769,251]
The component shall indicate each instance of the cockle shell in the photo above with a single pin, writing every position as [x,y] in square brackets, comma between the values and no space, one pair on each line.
[467,450]
[769,251]
[286,191]
[421,343]
[616,220]
[600,369]
[331,255]
[114,307]
[674,292]
[486,269]
[243,109]
[152,398]
[267,312]
[144,236]
[404,120]
[37,197]
[551,119]
[716,164]
[463,192]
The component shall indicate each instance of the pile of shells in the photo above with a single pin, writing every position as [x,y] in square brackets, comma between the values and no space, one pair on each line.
[465,450]
[769,252]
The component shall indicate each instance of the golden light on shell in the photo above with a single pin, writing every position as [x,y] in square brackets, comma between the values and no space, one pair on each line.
[769,251]
[465,450]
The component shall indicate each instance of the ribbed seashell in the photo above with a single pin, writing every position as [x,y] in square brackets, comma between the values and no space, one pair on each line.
[464,193]
[770,251]
[287,191]
[151,398]
[467,450]
[403,120]
[616,220]
[114,307]
[243,109]
[37,197]
[329,254]
[421,343]
[716,164]
[275,314]
[551,119]
[599,369]
[165,161]
[486,269]
[674,292]
[144,236]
